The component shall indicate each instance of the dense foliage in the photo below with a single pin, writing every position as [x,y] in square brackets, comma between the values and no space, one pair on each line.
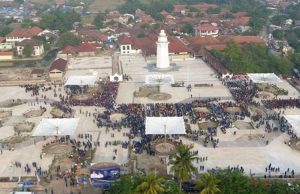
[59,20]
[255,10]
[98,20]
[68,38]
[252,58]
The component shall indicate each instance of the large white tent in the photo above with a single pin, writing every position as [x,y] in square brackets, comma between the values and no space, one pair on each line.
[82,80]
[294,121]
[56,127]
[159,79]
[269,78]
[165,125]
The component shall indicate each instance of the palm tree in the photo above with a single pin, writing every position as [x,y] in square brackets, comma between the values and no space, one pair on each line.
[209,183]
[182,162]
[150,184]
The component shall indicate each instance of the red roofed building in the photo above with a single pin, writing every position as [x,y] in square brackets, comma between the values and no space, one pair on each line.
[207,30]
[147,46]
[6,55]
[86,50]
[22,34]
[1,39]
[58,69]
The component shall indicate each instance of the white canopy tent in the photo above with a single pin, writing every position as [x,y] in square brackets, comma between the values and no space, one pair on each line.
[82,80]
[268,78]
[56,127]
[165,125]
[294,121]
[159,79]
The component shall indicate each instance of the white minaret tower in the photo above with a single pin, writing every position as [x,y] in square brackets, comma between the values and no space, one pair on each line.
[162,51]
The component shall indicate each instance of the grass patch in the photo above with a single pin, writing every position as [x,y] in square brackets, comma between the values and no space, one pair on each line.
[15,139]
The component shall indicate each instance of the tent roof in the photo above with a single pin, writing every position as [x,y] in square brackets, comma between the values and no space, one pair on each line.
[159,79]
[264,78]
[165,125]
[294,121]
[82,80]
[56,127]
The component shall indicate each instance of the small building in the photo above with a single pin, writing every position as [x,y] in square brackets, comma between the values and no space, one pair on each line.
[126,45]
[37,73]
[38,47]
[6,55]
[207,30]
[6,46]
[22,34]
[86,50]
[58,69]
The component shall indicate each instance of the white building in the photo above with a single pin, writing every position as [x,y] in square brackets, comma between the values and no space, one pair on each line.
[207,30]
[38,47]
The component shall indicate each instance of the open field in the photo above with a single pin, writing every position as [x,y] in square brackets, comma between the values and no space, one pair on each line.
[102,5]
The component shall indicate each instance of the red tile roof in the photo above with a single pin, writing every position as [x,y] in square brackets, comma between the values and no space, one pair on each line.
[2,39]
[177,46]
[35,30]
[207,27]
[6,53]
[217,47]
[69,50]
[124,39]
[29,33]
[204,6]
[59,64]
[242,39]
[148,44]
[85,47]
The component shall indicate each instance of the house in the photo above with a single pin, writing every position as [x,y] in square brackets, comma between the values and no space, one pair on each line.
[58,69]
[36,73]
[198,43]
[38,47]
[22,34]
[86,50]
[147,46]
[206,30]
[297,23]
[6,55]
[126,45]
[6,46]
[82,50]
[92,36]
[241,40]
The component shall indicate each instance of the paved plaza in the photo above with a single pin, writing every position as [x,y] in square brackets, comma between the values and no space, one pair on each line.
[193,71]
[239,146]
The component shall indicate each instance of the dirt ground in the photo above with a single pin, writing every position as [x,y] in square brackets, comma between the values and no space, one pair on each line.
[103,5]
[12,74]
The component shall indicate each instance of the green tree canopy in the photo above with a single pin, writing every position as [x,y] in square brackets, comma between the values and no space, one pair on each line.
[28,50]
[98,20]
[252,58]
[59,20]
[5,30]
[208,184]
[150,184]
[182,162]
[68,38]
[278,34]
[188,28]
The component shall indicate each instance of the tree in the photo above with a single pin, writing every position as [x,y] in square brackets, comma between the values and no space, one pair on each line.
[150,185]
[188,28]
[27,23]
[212,10]
[278,34]
[126,185]
[209,184]
[28,50]
[5,31]
[98,20]
[59,20]
[182,162]
[19,1]
[171,187]
[68,38]
[279,20]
